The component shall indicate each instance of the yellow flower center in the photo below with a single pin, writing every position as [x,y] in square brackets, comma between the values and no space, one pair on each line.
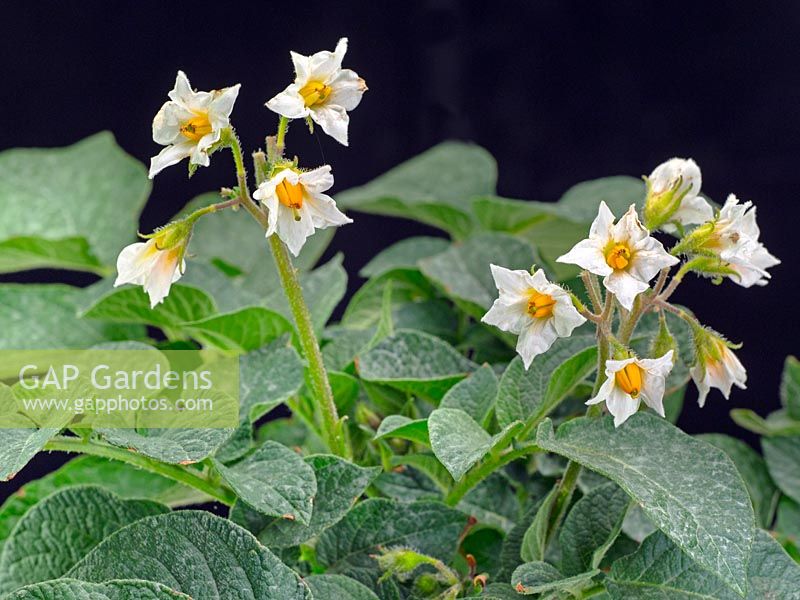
[629,379]
[618,256]
[290,194]
[540,306]
[315,92]
[196,127]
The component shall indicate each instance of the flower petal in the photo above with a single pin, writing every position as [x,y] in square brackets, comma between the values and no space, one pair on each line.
[333,120]
[625,287]
[324,212]
[348,89]
[621,405]
[289,103]
[587,254]
[535,339]
[317,180]
[508,316]
[169,156]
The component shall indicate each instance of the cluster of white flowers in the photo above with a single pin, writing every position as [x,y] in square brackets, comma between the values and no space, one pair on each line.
[625,254]
[192,125]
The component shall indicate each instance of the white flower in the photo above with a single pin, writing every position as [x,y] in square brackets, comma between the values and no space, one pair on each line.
[321,90]
[623,253]
[532,307]
[674,189]
[297,205]
[735,240]
[632,380]
[155,269]
[716,367]
[190,123]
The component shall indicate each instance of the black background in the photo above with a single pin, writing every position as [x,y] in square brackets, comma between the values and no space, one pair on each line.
[558,92]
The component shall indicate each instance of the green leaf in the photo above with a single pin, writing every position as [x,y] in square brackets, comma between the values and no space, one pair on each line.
[404,254]
[788,520]
[71,589]
[777,423]
[407,485]
[783,457]
[688,488]
[493,502]
[531,395]
[339,484]
[463,272]
[580,202]
[660,570]
[434,187]
[415,362]
[27,252]
[275,481]
[542,578]
[117,477]
[539,223]
[591,527]
[339,587]
[408,286]
[132,305]
[91,189]
[534,543]
[753,470]
[790,387]
[174,446]
[194,552]
[61,529]
[36,316]
[475,395]
[267,377]
[500,591]
[398,426]
[428,527]
[19,445]
[241,331]
[459,442]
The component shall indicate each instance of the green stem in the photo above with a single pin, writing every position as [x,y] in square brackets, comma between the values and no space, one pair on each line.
[628,326]
[280,138]
[320,386]
[482,471]
[174,472]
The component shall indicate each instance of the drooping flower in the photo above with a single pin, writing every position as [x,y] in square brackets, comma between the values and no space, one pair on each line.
[297,205]
[733,236]
[321,90]
[533,308]
[190,123]
[631,381]
[157,263]
[623,253]
[673,195]
[716,365]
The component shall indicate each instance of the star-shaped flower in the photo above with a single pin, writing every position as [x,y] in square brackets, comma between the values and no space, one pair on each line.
[533,308]
[623,253]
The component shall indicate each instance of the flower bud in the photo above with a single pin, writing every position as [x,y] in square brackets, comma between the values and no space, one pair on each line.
[664,341]
[716,365]
[668,186]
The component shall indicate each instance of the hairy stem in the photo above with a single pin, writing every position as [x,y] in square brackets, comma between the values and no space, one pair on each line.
[593,289]
[320,386]
[174,472]
[332,426]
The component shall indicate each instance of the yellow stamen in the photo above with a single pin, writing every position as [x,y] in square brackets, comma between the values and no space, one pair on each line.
[196,127]
[290,194]
[630,379]
[315,92]
[618,257]
[540,306]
